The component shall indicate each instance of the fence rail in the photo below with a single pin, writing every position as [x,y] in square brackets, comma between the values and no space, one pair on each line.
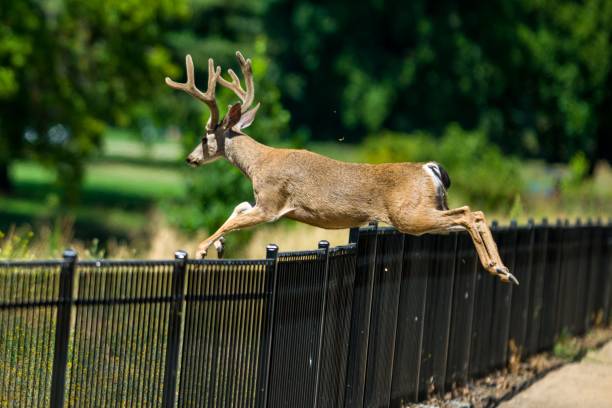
[379,322]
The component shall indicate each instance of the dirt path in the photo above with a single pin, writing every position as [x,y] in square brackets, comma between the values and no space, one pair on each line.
[587,383]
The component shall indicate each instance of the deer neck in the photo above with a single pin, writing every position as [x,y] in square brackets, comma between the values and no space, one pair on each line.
[244,152]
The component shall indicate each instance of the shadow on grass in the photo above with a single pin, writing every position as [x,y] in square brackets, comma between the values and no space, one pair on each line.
[82,229]
[97,203]
[39,191]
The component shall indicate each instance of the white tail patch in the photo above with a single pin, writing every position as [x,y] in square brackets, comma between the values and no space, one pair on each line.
[434,172]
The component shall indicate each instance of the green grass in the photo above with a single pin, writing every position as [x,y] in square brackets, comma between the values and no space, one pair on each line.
[125,145]
[141,181]
[119,189]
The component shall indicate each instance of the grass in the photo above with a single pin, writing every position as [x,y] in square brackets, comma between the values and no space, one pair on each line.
[568,348]
[123,145]
[148,182]
[119,191]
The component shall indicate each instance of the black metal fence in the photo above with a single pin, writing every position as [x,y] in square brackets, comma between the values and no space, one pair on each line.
[384,320]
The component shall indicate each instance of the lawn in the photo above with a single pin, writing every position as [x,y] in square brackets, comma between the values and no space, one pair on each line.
[120,189]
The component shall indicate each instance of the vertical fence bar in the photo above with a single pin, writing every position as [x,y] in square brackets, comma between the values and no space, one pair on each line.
[570,281]
[593,317]
[175,323]
[324,245]
[521,297]
[462,312]
[559,293]
[605,266]
[583,276]
[383,321]
[538,268]
[353,235]
[360,315]
[267,328]
[62,328]
[502,298]
[410,320]
[482,321]
[438,310]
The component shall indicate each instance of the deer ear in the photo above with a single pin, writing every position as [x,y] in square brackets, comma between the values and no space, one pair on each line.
[233,116]
[248,118]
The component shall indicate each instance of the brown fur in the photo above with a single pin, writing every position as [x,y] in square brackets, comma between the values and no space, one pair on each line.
[316,190]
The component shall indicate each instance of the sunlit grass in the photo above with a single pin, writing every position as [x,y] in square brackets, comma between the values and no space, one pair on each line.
[141,181]
[124,144]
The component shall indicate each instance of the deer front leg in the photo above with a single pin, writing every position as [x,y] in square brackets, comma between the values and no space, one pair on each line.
[243,216]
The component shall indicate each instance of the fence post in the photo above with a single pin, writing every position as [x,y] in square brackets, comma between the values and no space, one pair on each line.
[353,235]
[360,316]
[265,357]
[62,328]
[175,325]
[324,245]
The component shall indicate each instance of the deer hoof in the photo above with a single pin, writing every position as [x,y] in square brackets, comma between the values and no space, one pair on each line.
[505,275]
[201,253]
[220,247]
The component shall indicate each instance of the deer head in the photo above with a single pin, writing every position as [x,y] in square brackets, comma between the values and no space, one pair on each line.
[238,117]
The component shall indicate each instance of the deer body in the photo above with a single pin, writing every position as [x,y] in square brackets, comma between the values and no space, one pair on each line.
[327,193]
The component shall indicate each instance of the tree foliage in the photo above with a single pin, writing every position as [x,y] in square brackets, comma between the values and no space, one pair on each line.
[534,75]
[69,67]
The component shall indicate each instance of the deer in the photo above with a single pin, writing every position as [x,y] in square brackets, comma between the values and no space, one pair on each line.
[313,189]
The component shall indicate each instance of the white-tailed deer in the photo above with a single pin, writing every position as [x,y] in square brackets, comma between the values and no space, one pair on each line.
[323,192]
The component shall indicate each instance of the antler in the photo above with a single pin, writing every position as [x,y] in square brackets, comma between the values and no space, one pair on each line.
[245,96]
[207,97]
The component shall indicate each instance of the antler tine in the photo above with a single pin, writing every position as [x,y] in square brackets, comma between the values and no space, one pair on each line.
[207,97]
[245,96]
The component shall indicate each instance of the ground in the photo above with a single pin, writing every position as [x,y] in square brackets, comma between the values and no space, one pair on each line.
[587,383]
[577,373]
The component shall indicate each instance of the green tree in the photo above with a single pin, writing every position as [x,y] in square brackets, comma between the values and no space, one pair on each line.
[536,76]
[68,67]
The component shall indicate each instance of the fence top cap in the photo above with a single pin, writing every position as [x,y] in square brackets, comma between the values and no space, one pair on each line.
[180,254]
[271,250]
[70,253]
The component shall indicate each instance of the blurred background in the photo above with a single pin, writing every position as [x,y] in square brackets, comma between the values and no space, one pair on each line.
[513,97]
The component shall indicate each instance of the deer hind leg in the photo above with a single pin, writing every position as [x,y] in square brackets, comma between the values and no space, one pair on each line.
[243,216]
[483,228]
[476,225]
[474,222]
